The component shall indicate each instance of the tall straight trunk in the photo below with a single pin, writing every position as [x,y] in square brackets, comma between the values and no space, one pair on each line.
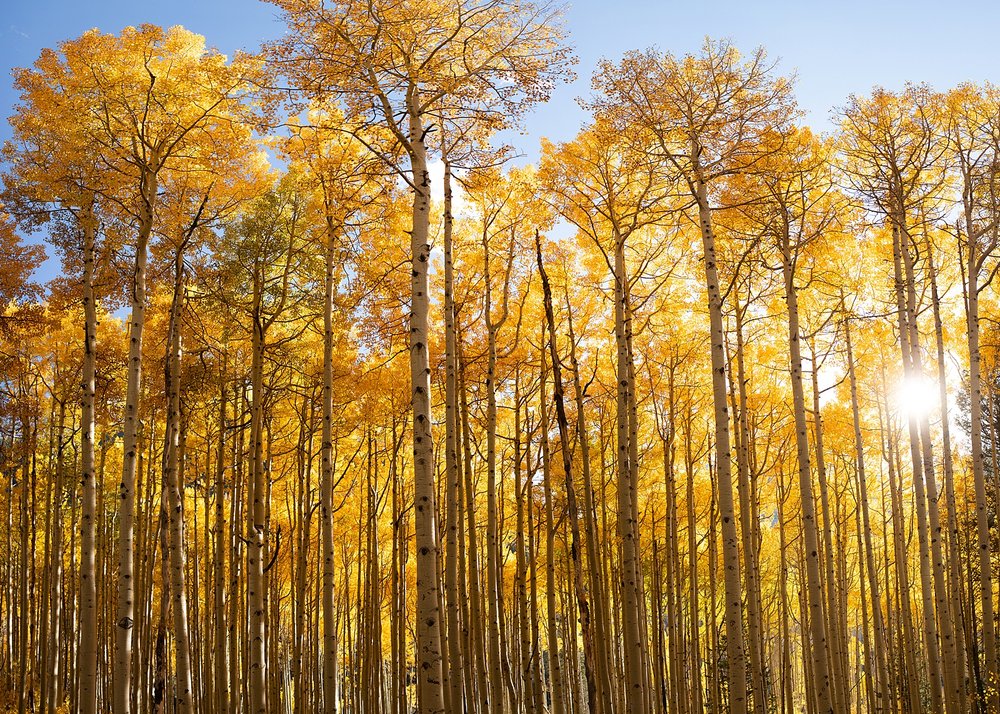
[42,644]
[881,687]
[556,686]
[633,465]
[835,641]
[88,614]
[534,523]
[478,639]
[53,669]
[397,647]
[125,612]
[954,555]
[303,517]
[24,620]
[712,604]
[428,609]
[667,688]
[911,681]
[696,696]
[822,685]
[522,486]
[494,586]
[630,573]
[748,512]
[172,482]
[256,514]
[735,650]
[329,658]
[160,656]
[221,654]
[942,604]
[785,667]
[599,671]
[455,669]
[237,518]
[905,307]
[991,667]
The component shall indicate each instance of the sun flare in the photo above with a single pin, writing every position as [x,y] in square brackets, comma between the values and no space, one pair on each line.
[916,396]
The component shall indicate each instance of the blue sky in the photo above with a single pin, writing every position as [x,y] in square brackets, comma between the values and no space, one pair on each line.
[835,48]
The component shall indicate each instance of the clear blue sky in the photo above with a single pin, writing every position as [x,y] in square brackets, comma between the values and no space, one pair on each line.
[835,48]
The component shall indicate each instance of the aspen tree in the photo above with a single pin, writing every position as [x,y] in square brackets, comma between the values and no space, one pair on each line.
[893,148]
[399,64]
[595,700]
[610,193]
[704,141]
[175,89]
[338,166]
[975,143]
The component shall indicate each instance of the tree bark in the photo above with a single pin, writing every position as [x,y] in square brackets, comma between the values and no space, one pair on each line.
[730,540]
[88,612]
[814,585]
[125,615]
[429,656]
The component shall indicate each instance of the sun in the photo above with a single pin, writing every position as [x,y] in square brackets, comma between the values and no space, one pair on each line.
[917,396]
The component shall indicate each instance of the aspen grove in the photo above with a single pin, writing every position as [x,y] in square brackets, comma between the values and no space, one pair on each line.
[341,405]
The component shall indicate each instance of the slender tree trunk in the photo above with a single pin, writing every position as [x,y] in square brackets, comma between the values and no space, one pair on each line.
[455,669]
[221,654]
[991,670]
[905,306]
[172,480]
[53,669]
[878,645]
[88,613]
[558,705]
[810,531]
[478,653]
[954,556]
[836,643]
[748,512]
[125,615]
[910,679]
[494,586]
[256,514]
[631,584]
[598,680]
[428,612]
[329,663]
[730,540]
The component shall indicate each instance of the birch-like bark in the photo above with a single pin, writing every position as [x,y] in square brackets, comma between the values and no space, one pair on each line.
[52,698]
[735,650]
[556,686]
[748,512]
[904,308]
[631,586]
[822,685]
[256,513]
[329,657]
[221,655]
[942,604]
[125,613]
[172,482]
[991,671]
[88,613]
[455,670]
[599,687]
[954,554]
[835,642]
[881,687]
[428,610]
